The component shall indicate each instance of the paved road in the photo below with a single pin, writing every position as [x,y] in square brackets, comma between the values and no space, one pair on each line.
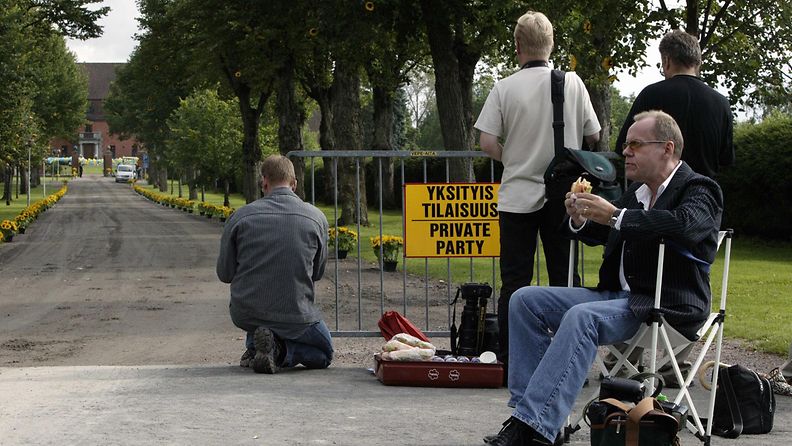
[108,278]
[114,330]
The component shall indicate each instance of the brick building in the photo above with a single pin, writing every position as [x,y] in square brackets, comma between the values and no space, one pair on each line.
[91,139]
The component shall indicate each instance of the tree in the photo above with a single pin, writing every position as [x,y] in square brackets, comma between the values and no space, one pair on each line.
[459,34]
[235,43]
[43,90]
[339,33]
[397,49]
[420,95]
[145,93]
[62,88]
[206,135]
[745,46]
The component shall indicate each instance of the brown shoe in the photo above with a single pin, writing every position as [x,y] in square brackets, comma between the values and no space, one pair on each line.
[267,351]
[247,357]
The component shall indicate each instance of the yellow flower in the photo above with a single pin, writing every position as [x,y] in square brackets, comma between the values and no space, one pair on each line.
[390,245]
[345,237]
[587,27]
[369,6]
[572,62]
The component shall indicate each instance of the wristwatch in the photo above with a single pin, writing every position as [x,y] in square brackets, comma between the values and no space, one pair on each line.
[614,218]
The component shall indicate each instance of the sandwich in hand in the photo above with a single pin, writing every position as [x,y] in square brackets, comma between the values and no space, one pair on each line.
[581,186]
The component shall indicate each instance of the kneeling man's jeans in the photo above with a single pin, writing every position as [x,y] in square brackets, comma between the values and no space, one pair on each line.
[545,377]
[313,348]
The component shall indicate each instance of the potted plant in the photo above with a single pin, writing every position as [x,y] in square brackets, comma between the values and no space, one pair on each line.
[23,220]
[224,212]
[343,239]
[8,228]
[390,246]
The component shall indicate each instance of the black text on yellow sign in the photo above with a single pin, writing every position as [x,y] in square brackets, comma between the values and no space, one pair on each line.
[451,220]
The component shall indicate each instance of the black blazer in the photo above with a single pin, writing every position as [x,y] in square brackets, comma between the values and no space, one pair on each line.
[687,216]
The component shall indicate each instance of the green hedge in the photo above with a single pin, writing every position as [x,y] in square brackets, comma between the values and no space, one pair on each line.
[757,188]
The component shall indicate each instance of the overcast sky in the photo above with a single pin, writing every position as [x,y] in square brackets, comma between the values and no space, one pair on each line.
[116,44]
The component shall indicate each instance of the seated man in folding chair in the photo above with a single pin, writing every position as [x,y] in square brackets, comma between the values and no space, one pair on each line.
[666,200]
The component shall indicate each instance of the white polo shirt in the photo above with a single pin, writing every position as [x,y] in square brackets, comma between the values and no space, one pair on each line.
[519,108]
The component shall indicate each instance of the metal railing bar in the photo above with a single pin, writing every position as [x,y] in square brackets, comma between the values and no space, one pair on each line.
[359,257]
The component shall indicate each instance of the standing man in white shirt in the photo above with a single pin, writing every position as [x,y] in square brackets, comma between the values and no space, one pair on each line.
[519,110]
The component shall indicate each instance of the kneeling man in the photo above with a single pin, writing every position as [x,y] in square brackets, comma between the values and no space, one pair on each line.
[272,251]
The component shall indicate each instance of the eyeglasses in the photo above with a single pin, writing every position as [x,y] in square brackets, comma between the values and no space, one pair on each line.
[636,143]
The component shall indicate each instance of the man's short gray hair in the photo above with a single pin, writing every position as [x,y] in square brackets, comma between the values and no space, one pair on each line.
[682,48]
[665,128]
[534,32]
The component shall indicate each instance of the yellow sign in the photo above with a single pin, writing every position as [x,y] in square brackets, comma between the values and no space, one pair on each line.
[451,220]
[423,153]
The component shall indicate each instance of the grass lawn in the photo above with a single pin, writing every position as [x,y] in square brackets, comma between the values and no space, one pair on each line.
[19,203]
[760,278]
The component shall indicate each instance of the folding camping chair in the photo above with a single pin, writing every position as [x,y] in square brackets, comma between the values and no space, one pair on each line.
[673,342]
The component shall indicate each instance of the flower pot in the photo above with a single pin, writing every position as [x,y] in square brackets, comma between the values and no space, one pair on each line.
[208,215]
[222,219]
[202,212]
[21,230]
[389,265]
[8,238]
[342,254]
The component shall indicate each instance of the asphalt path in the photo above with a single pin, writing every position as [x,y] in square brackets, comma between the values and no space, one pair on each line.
[106,277]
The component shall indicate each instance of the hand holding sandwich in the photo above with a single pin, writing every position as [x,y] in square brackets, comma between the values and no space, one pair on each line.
[582,205]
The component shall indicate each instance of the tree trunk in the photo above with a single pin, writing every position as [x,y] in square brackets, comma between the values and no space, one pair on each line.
[226,192]
[23,180]
[251,152]
[291,117]
[191,183]
[347,128]
[383,140]
[180,185]
[601,101]
[7,184]
[454,65]
[691,18]
[326,140]
[162,174]
[35,177]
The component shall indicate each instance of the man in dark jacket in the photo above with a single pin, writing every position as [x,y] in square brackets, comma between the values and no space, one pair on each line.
[703,114]
[666,200]
[705,119]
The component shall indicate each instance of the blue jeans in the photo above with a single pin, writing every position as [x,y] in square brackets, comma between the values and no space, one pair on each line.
[313,348]
[518,249]
[545,377]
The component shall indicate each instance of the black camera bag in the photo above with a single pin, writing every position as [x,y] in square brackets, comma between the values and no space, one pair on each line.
[744,403]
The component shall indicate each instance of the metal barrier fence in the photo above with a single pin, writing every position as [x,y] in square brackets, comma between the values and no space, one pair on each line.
[356,309]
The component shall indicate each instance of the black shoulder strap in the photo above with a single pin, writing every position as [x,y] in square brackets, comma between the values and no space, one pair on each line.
[724,383]
[453,329]
[557,95]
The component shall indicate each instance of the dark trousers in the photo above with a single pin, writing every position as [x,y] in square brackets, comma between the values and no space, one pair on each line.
[518,249]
